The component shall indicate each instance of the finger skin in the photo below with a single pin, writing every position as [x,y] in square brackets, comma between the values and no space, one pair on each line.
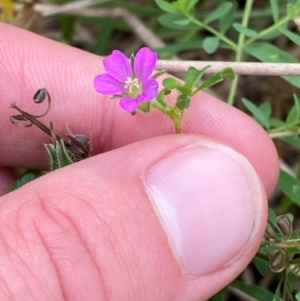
[29,62]
[89,232]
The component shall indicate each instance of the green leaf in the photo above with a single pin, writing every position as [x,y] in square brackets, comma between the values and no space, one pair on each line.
[291,11]
[227,20]
[191,4]
[185,90]
[262,265]
[171,83]
[297,296]
[257,113]
[167,7]
[276,123]
[255,291]
[216,78]
[294,113]
[219,12]
[295,38]
[220,296]
[183,102]
[211,44]
[275,10]
[193,76]
[160,97]
[25,178]
[292,140]
[58,155]
[266,109]
[271,54]
[177,22]
[244,30]
[290,186]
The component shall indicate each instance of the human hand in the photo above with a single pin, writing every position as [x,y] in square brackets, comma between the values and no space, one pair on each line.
[155,217]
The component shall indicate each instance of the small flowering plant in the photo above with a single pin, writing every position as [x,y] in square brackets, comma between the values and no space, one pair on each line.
[130,81]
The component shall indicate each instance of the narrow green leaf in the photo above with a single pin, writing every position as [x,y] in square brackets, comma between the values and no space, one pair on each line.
[292,140]
[244,30]
[255,291]
[62,156]
[275,10]
[219,12]
[297,296]
[276,123]
[50,149]
[294,113]
[167,7]
[291,11]
[266,109]
[177,22]
[295,38]
[220,296]
[211,44]
[262,265]
[271,54]
[226,21]
[193,76]
[290,186]
[259,116]
[171,83]
[191,4]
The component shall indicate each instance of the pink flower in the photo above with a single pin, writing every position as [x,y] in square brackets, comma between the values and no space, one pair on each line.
[131,82]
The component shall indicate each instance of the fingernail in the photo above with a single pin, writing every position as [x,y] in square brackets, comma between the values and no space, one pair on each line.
[208,198]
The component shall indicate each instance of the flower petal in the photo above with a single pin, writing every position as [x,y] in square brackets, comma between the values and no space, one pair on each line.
[129,104]
[118,66]
[144,63]
[107,85]
[150,89]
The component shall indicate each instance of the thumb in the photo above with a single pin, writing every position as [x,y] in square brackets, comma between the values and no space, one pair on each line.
[170,218]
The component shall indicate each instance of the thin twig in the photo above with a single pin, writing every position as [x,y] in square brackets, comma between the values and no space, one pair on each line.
[270,69]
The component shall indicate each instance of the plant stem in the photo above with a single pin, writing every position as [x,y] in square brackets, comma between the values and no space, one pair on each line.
[239,50]
[214,32]
[268,30]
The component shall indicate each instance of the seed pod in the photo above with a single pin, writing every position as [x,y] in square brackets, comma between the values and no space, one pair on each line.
[285,225]
[279,261]
[40,95]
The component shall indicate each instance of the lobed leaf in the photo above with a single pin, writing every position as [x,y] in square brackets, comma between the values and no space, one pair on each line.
[193,76]
[216,78]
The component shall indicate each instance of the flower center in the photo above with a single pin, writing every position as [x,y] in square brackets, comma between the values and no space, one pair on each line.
[132,85]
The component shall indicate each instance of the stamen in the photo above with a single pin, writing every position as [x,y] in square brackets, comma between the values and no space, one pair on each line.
[130,84]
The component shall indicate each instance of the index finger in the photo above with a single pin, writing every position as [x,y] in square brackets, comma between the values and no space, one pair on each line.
[29,62]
